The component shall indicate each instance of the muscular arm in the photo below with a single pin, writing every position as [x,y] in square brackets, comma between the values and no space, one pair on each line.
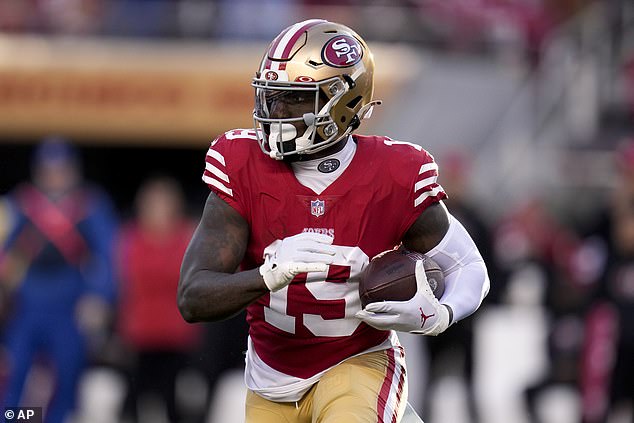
[208,289]
[444,239]
[428,229]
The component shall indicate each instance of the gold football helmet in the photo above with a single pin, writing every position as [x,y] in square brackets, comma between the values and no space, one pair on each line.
[326,61]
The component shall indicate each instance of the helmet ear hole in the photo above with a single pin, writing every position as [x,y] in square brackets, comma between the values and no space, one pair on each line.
[349,80]
[353,103]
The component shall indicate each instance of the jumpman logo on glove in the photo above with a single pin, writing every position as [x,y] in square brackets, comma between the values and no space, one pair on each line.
[424,317]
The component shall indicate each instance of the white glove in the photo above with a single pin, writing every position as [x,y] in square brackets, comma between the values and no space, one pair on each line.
[421,314]
[285,258]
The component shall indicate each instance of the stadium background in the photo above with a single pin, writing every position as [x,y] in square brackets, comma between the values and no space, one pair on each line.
[535,94]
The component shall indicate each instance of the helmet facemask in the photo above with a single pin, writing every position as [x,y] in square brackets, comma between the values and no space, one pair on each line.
[278,137]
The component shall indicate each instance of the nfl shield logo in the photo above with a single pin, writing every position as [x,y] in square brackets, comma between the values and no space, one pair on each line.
[317,208]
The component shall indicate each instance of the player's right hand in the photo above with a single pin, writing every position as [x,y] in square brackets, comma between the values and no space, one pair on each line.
[421,314]
[286,258]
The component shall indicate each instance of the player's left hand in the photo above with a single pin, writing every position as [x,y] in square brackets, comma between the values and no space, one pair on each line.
[422,314]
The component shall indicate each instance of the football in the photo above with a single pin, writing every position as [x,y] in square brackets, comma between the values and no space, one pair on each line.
[391,277]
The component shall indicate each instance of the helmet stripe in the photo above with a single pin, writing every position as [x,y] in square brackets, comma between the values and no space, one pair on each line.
[283,44]
[271,51]
[289,45]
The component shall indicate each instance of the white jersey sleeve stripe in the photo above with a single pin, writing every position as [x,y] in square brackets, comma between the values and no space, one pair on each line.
[214,182]
[431,193]
[219,157]
[217,172]
[424,182]
[427,167]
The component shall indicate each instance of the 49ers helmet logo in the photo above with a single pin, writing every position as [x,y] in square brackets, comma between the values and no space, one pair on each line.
[271,75]
[342,51]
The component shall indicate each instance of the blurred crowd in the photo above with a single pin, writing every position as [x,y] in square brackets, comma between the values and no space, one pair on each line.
[470,22]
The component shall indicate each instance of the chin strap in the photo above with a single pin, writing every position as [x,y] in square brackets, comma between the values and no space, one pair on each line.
[280,133]
[307,138]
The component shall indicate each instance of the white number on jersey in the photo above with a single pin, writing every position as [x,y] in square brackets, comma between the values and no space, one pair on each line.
[353,257]
[241,133]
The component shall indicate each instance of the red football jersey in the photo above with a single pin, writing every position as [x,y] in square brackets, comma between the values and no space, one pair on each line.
[310,326]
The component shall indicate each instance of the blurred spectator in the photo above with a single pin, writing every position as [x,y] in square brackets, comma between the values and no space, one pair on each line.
[150,253]
[533,248]
[566,299]
[531,242]
[608,366]
[56,268]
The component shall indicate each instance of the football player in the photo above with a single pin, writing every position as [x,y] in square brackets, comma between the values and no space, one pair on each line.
[300,203]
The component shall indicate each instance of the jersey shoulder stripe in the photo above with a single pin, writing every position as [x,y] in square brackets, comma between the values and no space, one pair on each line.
[215,174]
[428,167]
[435,193]
[414,169]
[233,146]
[427,184]
[216,155]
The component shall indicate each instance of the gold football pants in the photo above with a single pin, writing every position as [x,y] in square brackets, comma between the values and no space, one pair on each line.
[370,388]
